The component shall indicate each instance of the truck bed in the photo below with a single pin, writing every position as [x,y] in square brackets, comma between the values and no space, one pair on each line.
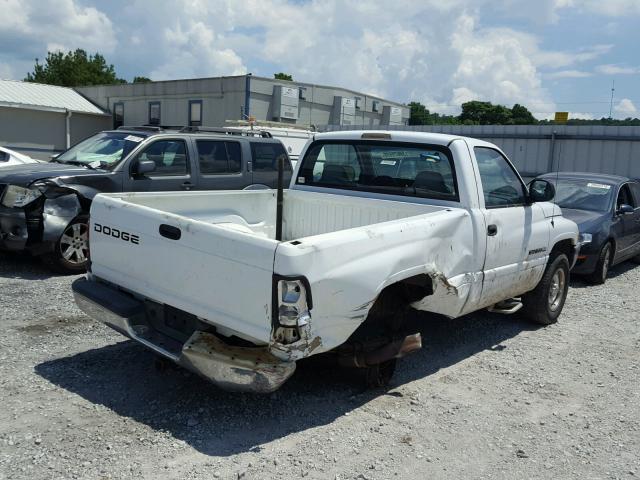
[254,212]
[226,249]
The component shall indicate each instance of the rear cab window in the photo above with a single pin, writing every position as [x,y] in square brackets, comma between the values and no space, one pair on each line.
[406,169]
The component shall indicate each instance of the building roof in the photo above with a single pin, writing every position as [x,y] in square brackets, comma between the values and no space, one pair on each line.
[36,96]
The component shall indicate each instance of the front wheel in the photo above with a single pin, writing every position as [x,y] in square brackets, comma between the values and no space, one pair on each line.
[599,275]
[543,304]
[71,253]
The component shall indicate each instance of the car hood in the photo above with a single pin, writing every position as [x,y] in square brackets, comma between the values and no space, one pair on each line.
[587,220]
[24,175]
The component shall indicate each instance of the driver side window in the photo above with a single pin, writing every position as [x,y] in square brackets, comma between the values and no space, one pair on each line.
[170,157]
[501,185]
[624,197]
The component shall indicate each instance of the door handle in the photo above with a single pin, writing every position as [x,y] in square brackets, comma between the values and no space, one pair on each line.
[492,230]
[187,186]
[170,232]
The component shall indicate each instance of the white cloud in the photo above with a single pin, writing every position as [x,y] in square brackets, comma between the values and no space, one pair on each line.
[612,8]
[183,50]
[617,70]
[569,74]
[58,24]
[496,64]
[560,59]
[625,108]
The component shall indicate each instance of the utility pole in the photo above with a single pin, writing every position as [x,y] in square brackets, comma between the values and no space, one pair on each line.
[613,89]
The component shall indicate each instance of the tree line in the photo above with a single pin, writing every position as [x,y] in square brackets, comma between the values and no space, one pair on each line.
[485,113]
[77,68]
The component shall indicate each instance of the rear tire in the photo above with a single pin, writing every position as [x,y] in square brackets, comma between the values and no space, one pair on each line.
[543,304]
[599,275]
[71,254]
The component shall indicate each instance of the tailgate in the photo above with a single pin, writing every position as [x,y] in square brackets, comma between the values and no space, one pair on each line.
[221,275]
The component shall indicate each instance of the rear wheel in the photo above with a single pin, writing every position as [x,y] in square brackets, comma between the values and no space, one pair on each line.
[380,375]
[599,275]
[384,322]
[544,304]
[71,253]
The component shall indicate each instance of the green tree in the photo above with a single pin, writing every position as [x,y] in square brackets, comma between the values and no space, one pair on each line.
[283,76]
[485,113]
[522,116]
[142,80]
[73,69]
[475,112]
[418,114]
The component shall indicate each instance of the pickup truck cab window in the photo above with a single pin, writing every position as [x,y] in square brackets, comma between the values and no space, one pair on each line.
[383,167]
[501,185]
[218,157]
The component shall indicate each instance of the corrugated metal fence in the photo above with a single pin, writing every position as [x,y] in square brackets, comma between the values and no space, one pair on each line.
[537,149]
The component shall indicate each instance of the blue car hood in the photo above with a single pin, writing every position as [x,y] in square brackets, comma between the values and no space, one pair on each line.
[587,220]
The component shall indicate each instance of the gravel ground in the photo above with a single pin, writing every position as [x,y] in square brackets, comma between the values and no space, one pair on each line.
[489,396]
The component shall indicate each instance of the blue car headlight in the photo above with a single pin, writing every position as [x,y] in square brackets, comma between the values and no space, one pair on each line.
[584,238]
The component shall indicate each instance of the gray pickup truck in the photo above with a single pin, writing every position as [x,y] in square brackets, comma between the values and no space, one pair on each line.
[44,207]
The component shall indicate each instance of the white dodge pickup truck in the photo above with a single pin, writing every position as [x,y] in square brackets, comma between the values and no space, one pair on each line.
[373,223]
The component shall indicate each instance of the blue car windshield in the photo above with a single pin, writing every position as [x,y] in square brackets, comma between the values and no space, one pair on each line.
[583,194]
[106,148]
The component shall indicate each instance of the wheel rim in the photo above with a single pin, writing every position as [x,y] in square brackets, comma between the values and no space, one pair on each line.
[605,263]
[74,243]
[556,290]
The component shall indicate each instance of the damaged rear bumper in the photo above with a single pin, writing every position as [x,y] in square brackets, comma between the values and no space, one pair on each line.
[249,369]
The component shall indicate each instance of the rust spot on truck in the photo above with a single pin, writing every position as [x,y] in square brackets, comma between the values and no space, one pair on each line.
[439,279]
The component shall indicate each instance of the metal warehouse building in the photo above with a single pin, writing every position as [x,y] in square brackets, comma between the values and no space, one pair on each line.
[39,120]
[212,101]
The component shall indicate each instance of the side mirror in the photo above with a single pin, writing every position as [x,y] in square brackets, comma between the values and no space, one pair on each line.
[625,209]
[53,156]
[541,191]
[143,167]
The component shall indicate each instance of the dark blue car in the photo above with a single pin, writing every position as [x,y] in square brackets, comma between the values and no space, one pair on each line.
[608,208]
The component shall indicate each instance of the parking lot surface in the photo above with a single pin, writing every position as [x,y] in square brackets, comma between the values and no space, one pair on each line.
[488,396]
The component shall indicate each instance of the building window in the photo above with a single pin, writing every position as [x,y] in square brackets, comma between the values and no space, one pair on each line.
[375,106]
[154,113]
[195,113]
[118,114]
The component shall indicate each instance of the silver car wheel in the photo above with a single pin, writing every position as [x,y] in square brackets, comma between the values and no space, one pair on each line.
[74,243]
[557,289]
